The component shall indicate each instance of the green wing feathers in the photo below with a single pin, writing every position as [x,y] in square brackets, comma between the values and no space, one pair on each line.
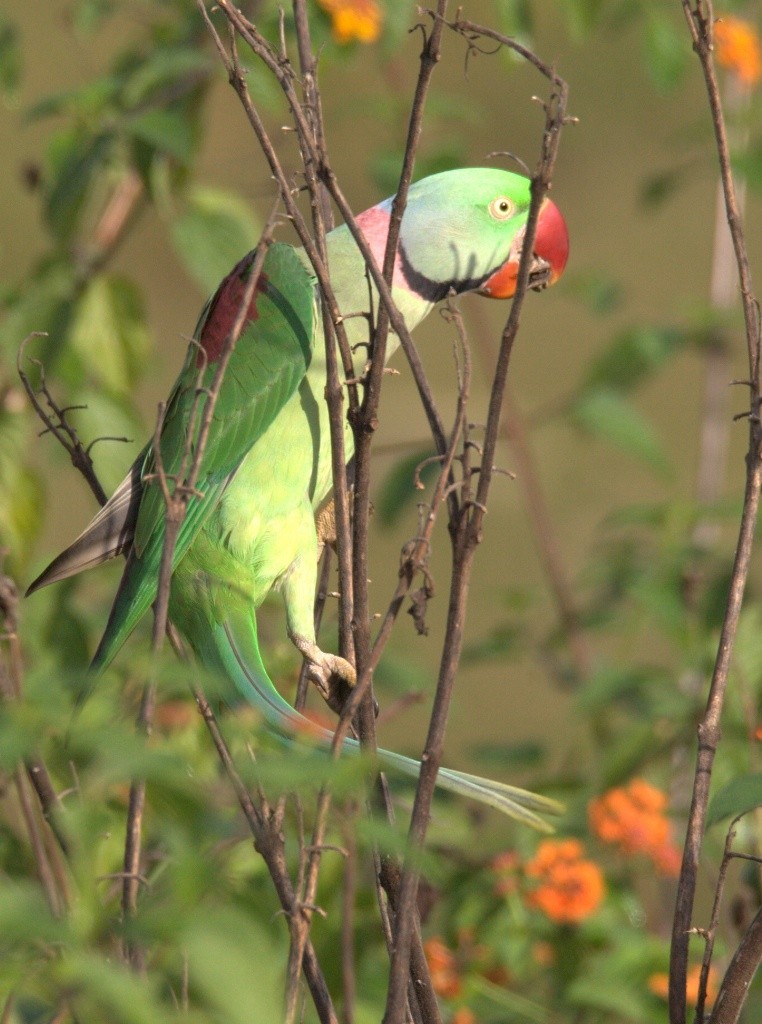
[268,362]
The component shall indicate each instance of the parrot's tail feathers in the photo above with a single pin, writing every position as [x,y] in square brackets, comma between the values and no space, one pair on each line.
[238,655]
[108,535]
[520,804]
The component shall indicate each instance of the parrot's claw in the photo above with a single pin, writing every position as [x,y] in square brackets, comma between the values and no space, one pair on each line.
[332,675]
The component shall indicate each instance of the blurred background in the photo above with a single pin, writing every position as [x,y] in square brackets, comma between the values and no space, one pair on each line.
[608,381]
[636,182]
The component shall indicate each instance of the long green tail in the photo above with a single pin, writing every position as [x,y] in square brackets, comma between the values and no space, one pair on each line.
[235,650]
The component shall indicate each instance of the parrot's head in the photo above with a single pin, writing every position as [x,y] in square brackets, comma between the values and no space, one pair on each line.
[463,230]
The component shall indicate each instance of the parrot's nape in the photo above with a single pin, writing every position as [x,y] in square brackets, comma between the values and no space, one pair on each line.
[266,466]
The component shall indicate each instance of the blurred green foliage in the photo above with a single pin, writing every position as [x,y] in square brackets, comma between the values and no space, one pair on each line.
[216,947]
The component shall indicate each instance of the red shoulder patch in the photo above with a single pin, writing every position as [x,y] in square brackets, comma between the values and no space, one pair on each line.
[226,306]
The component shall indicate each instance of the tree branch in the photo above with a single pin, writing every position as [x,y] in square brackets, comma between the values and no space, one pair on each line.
[700,23]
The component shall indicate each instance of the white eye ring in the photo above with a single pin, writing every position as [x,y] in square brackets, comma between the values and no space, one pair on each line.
[502,208]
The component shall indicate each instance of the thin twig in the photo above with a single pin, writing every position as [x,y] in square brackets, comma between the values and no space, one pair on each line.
[269,844]
[54,418]
[467,531]
[348,896]
[133,838]
[711,931]
[366,421]
[47,856]
[739,975]
[700,23]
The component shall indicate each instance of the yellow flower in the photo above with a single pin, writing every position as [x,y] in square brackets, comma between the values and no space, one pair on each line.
[354,19]
[737,47]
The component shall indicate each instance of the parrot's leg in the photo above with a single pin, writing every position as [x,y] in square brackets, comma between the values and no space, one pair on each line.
[324,670]
[330,673]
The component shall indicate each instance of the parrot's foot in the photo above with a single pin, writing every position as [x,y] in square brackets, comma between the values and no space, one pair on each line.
[333,676]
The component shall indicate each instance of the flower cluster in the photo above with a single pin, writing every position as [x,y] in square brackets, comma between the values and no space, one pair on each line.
[354,19]
[633,818]
[737,47]
[659,985]
[570,887]
[559,880]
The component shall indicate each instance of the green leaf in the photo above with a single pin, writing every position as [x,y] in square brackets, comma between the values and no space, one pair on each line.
[24,915]
[516,756]
[635,748]
[506,639]
[518,1006]
[398,491]
[602,412]
[21,512]
[89,15]
[634,356]
[627,1001]
[165,67]
[583,15]
[747,652]
[169,131]
[78,158]
[740,796]
[236,964]
[109,332]
[44,304]
[659,187]
[85,101]
[10,57]
[749,164]
[614,684]
[215,230]
[516,18]
[401,676]
[666,52]
[111,987]
[599,291]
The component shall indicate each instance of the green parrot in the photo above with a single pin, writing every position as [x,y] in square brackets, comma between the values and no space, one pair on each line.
[266,467]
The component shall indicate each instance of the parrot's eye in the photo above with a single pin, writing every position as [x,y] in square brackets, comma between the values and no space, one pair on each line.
[501,208]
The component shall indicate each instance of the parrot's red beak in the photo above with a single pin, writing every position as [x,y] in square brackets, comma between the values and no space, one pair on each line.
[551,251]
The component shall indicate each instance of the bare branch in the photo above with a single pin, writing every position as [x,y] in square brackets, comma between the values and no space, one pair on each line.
[466,531]
[739,975]
[54,418]
[700,23]
[269,844]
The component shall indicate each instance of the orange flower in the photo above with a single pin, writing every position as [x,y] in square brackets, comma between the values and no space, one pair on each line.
[354,19]
[659,985]
[463,1016]
[570,888]
[737,47]
[443,967]
[632,817]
